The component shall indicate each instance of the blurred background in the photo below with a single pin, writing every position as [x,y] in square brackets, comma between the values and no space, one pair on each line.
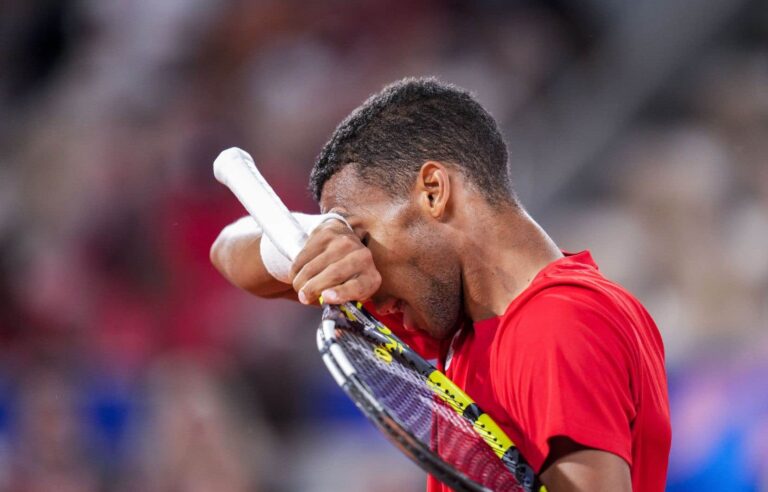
[638,130]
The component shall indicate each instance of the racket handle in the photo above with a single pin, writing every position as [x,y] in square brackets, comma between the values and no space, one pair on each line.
[235,169]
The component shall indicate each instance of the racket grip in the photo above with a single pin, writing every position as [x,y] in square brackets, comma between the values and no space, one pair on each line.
[236,170]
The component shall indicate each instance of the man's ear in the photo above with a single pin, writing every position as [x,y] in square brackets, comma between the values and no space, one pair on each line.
[434,188]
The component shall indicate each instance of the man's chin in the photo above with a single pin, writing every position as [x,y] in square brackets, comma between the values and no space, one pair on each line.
[444,331]
[438,333]
[438,329]
[410,324]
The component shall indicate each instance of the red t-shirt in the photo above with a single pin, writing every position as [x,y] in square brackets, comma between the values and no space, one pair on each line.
[574,355]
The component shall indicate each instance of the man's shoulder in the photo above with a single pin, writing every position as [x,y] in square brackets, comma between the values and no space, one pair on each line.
[575,311]
[573,288]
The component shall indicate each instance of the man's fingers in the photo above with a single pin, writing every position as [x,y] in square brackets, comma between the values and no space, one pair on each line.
[335,262]
[334,275]
[332,239]
[355,289]
[358,264]
[313,268]
[339,258]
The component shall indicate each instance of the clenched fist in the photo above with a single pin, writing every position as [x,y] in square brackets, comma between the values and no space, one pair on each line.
[336,265]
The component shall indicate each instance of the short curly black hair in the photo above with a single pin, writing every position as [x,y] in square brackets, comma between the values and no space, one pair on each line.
[390,136]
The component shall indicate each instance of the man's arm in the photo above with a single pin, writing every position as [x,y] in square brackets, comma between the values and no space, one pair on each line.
[334,262]
[571,467]
[236,255]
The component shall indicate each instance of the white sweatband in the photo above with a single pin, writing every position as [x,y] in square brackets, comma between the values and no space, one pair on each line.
[278,265]
[244,226]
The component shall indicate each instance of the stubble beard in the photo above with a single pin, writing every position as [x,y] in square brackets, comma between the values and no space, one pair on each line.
[442,303]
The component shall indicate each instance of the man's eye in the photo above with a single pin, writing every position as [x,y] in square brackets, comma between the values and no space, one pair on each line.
[365,239]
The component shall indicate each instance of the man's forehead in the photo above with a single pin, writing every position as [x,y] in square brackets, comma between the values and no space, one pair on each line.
[345,190]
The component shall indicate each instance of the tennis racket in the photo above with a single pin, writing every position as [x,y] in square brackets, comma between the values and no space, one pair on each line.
[416,406]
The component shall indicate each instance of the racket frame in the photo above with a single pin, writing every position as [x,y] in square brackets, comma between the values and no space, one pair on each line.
[345,375]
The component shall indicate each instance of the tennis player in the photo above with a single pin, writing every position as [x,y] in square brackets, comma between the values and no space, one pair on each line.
[569,363]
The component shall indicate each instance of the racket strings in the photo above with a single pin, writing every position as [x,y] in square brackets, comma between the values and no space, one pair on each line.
[407,396]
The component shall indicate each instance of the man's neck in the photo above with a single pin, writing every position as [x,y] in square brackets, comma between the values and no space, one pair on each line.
[502,251]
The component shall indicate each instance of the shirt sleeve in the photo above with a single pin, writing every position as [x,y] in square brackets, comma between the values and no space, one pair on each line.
[563,369]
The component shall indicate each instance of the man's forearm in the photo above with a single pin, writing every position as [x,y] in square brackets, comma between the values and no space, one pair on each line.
[236,255]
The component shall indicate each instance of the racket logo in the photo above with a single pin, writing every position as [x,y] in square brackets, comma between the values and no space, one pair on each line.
[383,354]
[394,346]
[348,313]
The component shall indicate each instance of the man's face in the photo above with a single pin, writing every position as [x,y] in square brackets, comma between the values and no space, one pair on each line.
[420,274]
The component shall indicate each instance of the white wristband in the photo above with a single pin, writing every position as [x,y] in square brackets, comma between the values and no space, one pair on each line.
[278,265]
[244,226]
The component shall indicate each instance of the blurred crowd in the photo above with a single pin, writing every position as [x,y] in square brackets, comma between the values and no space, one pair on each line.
[127,363]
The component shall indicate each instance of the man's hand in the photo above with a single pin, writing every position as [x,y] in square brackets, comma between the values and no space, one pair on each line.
[335,264]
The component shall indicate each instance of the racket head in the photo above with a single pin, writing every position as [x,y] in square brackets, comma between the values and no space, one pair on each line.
[422,412]
[406,442]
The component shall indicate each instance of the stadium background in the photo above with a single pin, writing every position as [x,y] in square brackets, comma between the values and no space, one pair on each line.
[637,129]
